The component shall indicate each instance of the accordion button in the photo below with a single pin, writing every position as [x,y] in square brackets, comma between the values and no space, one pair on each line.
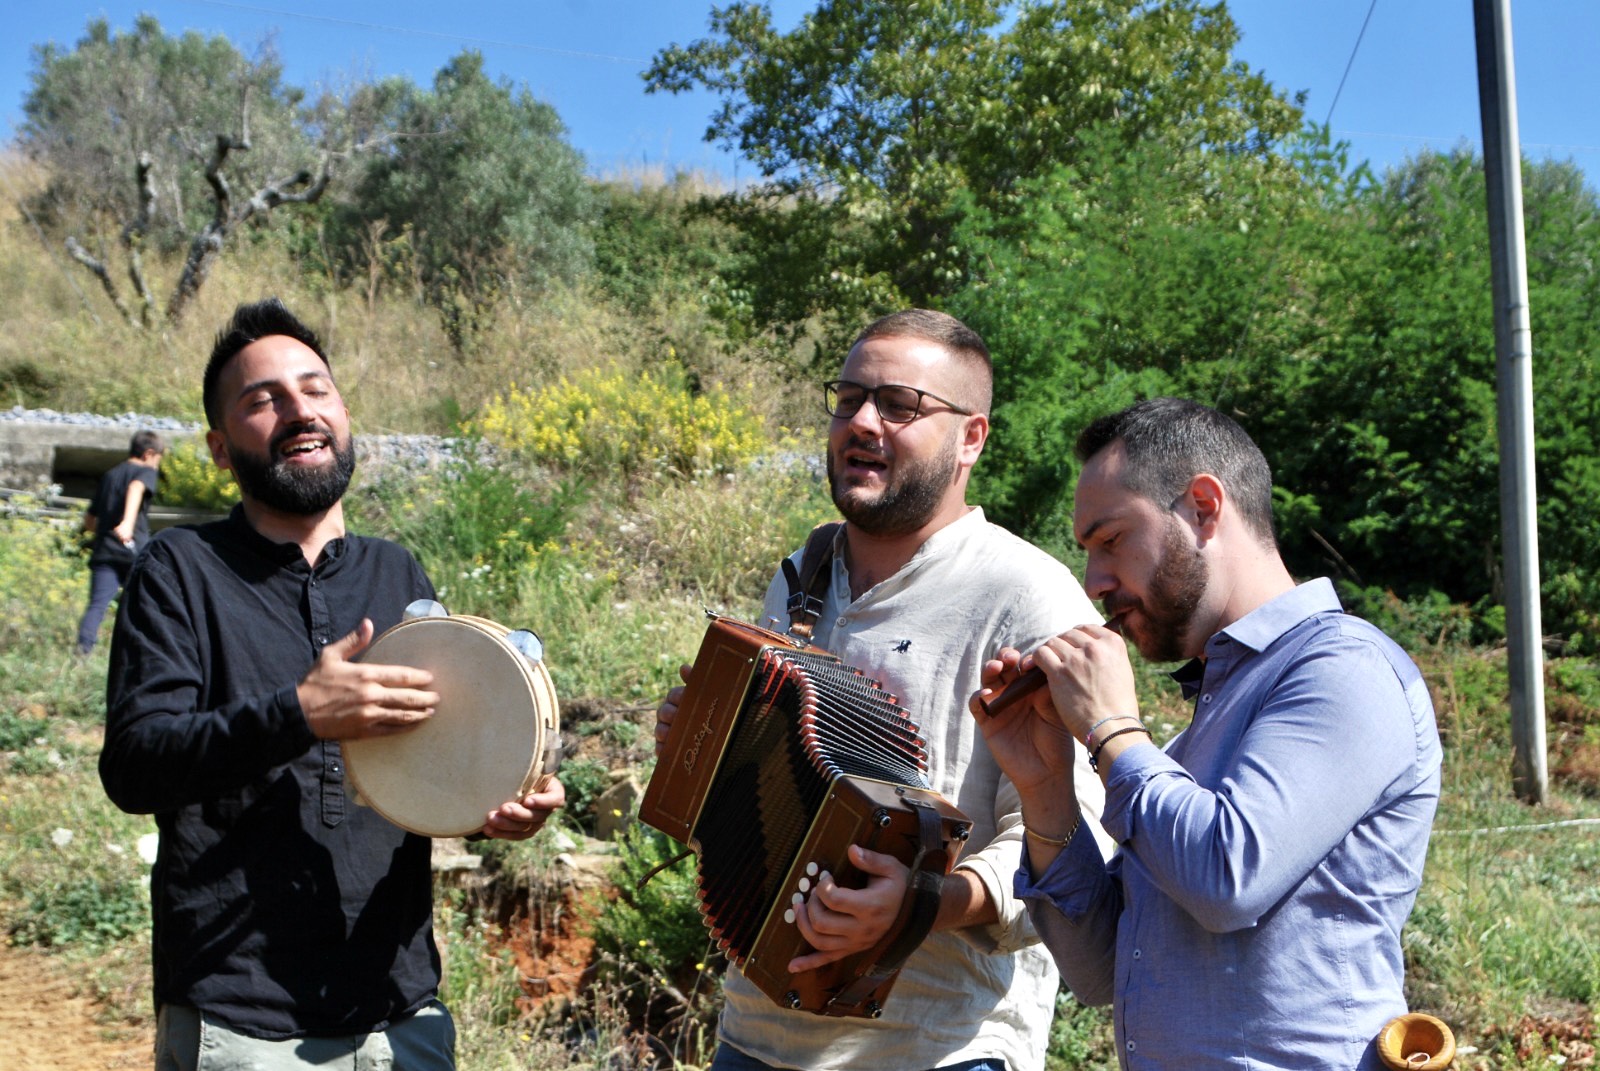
[805,884]
[788,916]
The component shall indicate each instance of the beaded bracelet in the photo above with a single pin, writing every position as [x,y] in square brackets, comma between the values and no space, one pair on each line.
[1094,756]
[1088,737]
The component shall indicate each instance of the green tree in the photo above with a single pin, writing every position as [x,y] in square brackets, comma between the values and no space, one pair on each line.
[1345,320]
[1127,275]
[91,111]
[1400,451]
[153,141]
[873,119]
[483,178]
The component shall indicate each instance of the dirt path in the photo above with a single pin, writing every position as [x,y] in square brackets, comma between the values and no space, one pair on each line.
[45,1026]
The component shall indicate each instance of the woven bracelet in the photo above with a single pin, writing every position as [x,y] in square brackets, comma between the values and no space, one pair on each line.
[1094,756]
[1088,737]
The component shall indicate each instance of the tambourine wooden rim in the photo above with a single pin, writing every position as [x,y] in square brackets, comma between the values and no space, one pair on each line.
[493,736]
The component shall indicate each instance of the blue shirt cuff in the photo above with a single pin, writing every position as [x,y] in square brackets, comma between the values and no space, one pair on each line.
[1072,882]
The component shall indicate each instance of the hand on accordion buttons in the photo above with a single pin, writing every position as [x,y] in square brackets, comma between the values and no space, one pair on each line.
[522,818]
[838,921]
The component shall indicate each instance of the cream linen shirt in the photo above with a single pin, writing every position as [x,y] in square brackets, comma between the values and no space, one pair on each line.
[925,633]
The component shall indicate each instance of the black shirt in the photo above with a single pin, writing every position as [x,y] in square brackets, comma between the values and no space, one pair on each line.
[110,499]
[280,907]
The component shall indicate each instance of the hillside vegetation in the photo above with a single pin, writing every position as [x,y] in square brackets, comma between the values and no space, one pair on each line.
[636,360]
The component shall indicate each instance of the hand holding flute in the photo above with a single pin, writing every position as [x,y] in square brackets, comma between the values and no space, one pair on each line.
[1080,684]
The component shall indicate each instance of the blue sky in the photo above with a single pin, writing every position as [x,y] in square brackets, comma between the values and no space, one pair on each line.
[1412,82]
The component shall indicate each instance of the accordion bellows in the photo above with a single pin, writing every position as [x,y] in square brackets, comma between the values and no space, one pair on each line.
[779,759]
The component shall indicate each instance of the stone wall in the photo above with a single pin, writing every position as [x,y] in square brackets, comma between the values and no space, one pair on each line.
[40,448]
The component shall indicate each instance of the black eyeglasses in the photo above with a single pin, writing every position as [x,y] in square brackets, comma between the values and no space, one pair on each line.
[895,403]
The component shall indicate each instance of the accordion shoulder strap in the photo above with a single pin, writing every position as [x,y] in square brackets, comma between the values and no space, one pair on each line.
[809,583]
[918,910]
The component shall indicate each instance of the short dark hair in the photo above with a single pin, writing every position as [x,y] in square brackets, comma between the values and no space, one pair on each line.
[962,342]
[1170,441]
[146,442]
[252,322]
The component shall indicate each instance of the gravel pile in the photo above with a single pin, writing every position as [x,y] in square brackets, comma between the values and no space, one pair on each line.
[132,421]
[406,451]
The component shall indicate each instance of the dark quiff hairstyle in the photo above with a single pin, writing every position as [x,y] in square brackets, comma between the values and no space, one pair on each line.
[1170,441]
[959,340]
[252,323]
[146,442]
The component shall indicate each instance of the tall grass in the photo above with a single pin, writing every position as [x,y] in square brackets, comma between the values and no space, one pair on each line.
[63,345]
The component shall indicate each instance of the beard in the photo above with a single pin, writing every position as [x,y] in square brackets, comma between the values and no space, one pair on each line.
[1168,611]
[294,489]
[906,502]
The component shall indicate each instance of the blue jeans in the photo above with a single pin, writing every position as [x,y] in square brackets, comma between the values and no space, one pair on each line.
[186,1040]
[729,1058]
[105,580]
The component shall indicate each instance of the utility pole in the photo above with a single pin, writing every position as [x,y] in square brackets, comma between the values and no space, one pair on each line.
[1519,533]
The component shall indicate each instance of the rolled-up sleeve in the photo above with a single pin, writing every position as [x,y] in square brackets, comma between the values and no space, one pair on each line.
[1074,906]
[996,866]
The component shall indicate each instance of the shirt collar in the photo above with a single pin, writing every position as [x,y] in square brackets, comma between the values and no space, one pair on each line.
[283,554]
[1261,627]
[950,533]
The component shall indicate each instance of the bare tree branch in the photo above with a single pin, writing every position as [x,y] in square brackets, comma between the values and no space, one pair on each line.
[98,269]
[207,244]
[133,238]
[304,186]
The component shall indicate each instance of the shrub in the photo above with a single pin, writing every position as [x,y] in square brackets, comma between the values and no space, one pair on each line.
[475,526]
[43,582]
[189,478]
[652,934]
[584,780]
[18,731]
[1078,1035]
[479,971]
[88,909]
[1429,620]
[605,635]
[71,877]
[720,540]
[603,422]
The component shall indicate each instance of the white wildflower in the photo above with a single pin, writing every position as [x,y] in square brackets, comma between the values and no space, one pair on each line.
[61,837]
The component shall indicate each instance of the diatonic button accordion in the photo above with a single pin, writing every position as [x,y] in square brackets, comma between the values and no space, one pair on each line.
[779,758]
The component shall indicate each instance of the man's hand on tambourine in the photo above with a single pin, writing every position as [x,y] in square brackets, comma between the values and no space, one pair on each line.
[668,710]
[521,819]
[345,700]
[840,922]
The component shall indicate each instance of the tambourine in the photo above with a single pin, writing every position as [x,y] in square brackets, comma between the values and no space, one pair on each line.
[494,736]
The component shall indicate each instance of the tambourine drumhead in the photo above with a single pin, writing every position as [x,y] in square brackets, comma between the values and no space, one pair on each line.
[486,742]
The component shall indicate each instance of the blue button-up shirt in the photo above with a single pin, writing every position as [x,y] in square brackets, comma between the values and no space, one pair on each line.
[1269,855]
